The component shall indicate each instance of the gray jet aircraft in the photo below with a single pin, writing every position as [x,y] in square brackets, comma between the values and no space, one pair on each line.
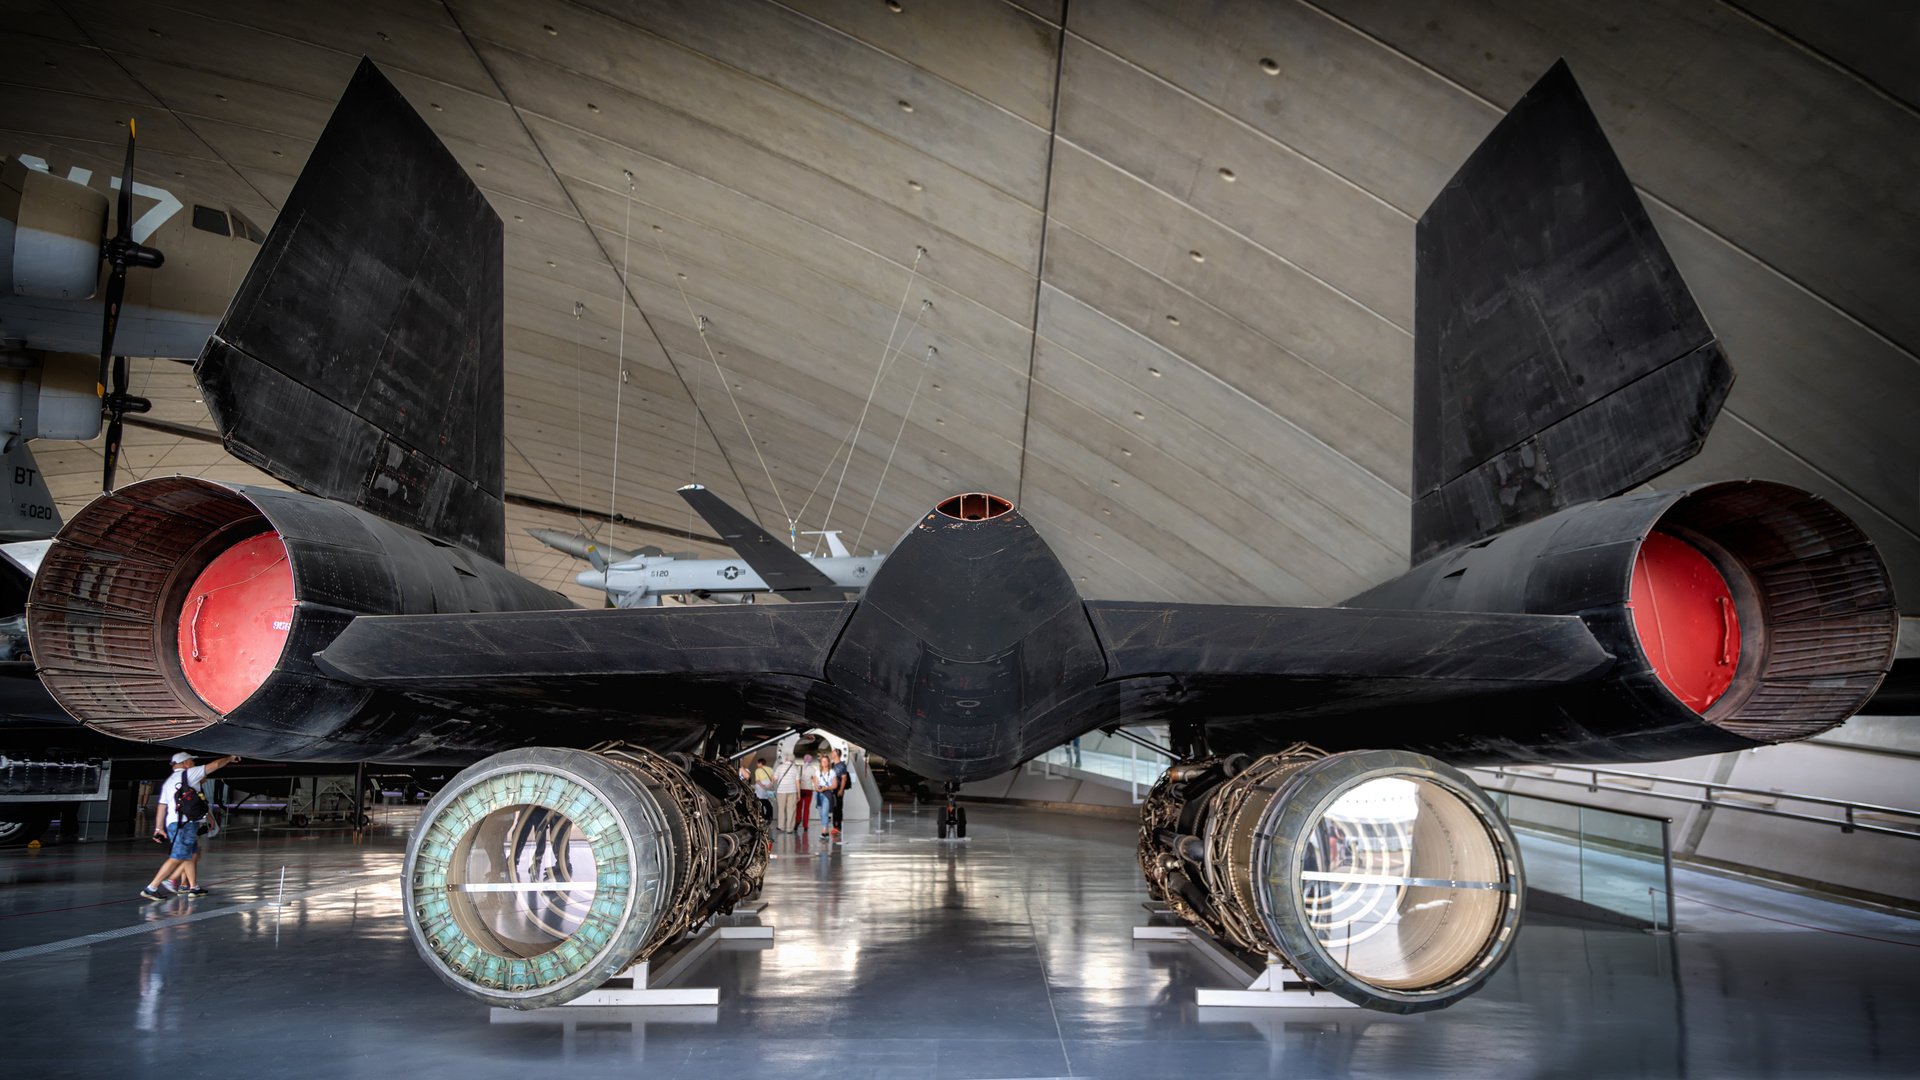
[640,578]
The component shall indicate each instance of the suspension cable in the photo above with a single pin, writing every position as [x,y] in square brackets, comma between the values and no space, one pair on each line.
[700,323]
[887,369]
[620,363]
[886,353]
[579,424]
[925,366]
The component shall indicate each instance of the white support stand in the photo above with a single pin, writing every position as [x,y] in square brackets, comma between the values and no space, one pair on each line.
[652,987]
[650,982]
[1266,987]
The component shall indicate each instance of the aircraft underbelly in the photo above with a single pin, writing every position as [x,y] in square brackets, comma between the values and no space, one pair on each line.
[74,326]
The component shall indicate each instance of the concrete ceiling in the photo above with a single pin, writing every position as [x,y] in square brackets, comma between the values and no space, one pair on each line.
[1168,246]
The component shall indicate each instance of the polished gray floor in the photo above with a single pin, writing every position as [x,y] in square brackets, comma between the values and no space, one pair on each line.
[896,956]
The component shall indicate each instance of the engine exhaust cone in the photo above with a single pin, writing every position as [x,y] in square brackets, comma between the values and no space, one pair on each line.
[1384,876]
[538,874]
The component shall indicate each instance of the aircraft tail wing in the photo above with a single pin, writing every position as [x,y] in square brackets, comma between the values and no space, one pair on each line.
[1260,678]
[781,567]
[30,513]
[361,359]
[614,663]
[1559,357]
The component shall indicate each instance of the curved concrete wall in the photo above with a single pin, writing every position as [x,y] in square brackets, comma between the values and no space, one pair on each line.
[1169,245]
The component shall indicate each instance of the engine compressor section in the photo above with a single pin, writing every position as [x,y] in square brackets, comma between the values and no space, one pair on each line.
[1383,876]
[537,874]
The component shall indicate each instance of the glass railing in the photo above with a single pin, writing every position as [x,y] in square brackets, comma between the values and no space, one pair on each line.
[1618,861]
[1614,860]
[1139,772]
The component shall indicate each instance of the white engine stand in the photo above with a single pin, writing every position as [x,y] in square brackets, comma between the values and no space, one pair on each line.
[650,982]
[1267,987]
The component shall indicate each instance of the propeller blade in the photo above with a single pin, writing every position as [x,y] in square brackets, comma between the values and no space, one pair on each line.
[125,231]
[116,290]
[120,251]
[114,430]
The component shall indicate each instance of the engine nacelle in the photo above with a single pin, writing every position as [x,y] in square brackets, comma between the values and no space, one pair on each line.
[50,234]
[1742,613]
[187,612]
[1381,875]
[536,875]
[49,395]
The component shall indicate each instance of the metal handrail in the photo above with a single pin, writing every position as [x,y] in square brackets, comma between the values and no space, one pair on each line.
[1587,806]
[1846,823]
[1595,771]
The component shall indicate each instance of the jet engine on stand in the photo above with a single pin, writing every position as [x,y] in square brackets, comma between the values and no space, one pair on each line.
[1384,876]
[538,874]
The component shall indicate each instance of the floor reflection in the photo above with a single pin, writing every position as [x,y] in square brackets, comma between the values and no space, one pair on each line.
[898,955]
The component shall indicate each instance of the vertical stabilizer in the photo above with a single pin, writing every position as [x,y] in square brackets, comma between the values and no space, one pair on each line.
[1559,357]
[361,358]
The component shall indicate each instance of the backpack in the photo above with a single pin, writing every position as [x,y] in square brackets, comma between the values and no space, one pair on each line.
[188,803]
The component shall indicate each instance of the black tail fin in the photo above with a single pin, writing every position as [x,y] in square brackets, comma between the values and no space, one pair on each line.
[1558,356]
[361,358]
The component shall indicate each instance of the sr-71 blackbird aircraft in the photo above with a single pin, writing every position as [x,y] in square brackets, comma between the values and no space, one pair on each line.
[1561,362]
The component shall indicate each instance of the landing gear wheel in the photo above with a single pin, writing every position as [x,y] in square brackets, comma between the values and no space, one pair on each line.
[22,824]
[954,820]
[298,821]
[942,827]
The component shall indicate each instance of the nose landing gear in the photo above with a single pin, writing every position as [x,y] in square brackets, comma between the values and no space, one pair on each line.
[953,823]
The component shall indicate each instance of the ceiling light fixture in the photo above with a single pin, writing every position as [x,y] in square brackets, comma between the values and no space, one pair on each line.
[1227,175]
[1269,65]
[1196,256]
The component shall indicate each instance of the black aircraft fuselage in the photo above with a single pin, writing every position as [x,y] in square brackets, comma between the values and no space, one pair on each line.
[970,652]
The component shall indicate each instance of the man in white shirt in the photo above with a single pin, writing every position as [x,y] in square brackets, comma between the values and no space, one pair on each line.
[183,856]
[786,793]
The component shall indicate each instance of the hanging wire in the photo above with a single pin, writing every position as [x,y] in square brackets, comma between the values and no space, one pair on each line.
[925,366]
[700,324]
[925,306]
[620,363]
[579,423]
[886,354]
[542,477]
